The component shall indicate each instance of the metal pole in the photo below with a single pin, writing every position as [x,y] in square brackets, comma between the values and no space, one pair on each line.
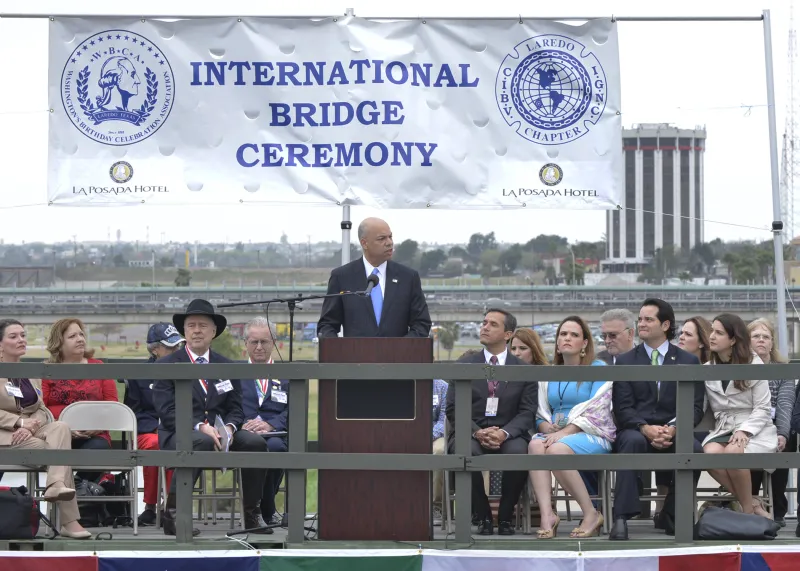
[153,284]
[777,224]
[346,226]
[408,18]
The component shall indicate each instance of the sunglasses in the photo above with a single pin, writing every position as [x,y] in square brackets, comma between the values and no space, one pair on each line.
[612,336]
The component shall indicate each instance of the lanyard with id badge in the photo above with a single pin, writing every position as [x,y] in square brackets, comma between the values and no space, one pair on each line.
[492,401]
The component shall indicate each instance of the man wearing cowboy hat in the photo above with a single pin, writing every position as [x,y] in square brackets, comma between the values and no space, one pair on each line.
[200,325]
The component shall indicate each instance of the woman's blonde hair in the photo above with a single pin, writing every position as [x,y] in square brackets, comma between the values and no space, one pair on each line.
[774,355]
[530,338]
[56,339]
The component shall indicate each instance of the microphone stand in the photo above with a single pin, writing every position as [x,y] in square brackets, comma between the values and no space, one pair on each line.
[291,304]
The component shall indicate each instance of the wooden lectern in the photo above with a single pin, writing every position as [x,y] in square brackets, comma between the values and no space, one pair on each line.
[363,416]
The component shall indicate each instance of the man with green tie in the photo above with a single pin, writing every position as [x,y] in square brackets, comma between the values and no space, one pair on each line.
[646,411]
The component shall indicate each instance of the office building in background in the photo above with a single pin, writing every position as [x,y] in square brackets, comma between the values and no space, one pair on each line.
[663,199]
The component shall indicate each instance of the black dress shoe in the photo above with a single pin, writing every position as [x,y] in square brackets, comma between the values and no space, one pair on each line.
[485,527]
[169,523]
[781,521]
[505,528]
[253,522]
[668,523]
[658,523]
[619,531]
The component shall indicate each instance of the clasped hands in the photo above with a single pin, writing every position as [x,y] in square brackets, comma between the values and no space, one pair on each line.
[23,433]
[491,438]
[660,437]
[258,426]
[553,433]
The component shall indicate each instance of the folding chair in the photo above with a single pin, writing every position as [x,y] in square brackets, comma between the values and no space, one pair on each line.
[106,415]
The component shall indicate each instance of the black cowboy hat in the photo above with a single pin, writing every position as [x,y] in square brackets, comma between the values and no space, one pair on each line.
[200,307]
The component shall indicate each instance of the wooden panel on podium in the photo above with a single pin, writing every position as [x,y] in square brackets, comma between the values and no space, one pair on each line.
[375,417]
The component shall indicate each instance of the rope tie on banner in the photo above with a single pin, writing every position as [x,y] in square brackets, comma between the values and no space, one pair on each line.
[695,218]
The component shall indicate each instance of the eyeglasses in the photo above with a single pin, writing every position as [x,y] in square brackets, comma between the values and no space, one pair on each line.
[261,343]
[612,336]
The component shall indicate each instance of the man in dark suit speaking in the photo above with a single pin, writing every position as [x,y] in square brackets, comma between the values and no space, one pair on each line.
[502,415]
[646,411]
[396,306]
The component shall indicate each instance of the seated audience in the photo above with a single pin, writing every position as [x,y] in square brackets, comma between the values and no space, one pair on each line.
[572,418]
[742,420]
[67,344]
[162,340]
[502,418]
[646,412]
[24,423]
[782,397]
[266,405]
[439,417]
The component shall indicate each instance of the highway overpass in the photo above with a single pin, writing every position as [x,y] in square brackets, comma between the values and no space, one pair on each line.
[447,303]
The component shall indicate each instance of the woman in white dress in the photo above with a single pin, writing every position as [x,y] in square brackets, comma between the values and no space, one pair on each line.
[742,415]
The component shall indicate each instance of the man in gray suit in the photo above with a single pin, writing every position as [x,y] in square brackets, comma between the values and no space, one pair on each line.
[502,416]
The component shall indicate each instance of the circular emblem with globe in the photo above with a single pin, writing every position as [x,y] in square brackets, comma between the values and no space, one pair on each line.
[551,89]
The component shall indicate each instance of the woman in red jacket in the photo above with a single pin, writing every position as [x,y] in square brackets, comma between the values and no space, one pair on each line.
[67,344]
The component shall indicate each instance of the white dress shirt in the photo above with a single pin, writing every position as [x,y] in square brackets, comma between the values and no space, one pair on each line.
[381,275]
[501,358]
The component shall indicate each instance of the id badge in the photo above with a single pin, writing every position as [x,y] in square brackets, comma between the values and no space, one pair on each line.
[15,391]
[223,387]
[491,406]
[435,400]
[560,420]
[773,412]
[279,396]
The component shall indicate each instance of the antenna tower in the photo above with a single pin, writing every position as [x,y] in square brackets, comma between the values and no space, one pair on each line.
[790,157]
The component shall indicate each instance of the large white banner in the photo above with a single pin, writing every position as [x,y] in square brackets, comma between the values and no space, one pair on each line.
[391,114]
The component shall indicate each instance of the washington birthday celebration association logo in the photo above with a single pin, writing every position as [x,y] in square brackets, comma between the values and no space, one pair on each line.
[117,87]
[551,89]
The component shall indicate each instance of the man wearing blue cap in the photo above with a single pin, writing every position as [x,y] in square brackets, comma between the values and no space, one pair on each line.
[162,340]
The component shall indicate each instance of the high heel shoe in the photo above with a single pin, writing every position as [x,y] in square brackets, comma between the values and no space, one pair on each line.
[579,533]
[549,533]
[75,534]
[58,493]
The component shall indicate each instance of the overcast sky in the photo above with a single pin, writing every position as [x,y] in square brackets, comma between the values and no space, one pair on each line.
[687,74]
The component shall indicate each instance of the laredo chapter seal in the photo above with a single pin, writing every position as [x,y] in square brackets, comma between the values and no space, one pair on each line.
[551,89]
[117,87]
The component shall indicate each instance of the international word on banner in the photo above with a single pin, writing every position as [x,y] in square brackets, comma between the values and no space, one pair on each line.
[391,114]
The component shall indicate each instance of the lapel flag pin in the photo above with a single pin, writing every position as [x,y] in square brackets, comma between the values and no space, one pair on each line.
[394,280]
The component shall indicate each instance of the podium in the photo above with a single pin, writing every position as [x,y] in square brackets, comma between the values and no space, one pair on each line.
[365,416]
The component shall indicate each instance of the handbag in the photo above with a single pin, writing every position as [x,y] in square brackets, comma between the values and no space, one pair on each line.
[721,523]
[19,514]
[93,514]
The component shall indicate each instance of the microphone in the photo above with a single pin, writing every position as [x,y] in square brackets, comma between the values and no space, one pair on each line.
[372,281]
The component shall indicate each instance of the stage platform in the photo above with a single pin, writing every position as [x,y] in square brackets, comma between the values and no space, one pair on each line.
[768,557]
[213,538]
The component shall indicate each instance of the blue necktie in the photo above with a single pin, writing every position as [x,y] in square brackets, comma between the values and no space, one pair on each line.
[377,298]
[200,360]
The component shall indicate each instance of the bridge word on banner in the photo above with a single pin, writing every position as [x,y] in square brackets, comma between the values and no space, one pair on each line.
[391,114]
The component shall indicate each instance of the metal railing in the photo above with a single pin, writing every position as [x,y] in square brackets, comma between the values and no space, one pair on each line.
[298,460]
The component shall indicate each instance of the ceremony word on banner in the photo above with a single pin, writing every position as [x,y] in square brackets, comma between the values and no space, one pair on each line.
[384,113]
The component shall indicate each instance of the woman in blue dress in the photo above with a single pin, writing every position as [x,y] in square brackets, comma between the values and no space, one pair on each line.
[573,418]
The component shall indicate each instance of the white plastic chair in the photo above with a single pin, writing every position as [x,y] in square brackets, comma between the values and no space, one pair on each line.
[107,415]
